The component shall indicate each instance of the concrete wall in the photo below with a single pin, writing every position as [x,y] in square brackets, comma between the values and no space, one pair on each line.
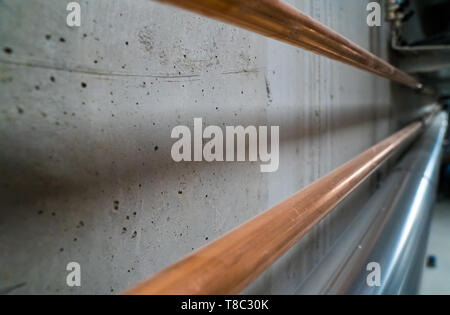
[85,121]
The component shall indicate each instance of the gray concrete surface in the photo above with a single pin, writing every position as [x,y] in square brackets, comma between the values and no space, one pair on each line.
[437,280]
[85,121]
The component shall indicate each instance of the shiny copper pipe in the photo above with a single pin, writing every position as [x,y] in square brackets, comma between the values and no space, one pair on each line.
[280,21]
[229,264]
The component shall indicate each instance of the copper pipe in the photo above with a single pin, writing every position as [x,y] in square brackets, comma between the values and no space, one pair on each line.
[278,20]
[229,264]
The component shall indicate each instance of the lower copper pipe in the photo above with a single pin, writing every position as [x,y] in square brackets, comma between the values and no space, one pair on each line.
[229,264]
[278,20]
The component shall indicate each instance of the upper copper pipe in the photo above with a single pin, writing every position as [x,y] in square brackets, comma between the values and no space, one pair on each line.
[280,21]
[229,264]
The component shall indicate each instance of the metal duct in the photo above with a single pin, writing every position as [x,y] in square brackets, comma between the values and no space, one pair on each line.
[392,230]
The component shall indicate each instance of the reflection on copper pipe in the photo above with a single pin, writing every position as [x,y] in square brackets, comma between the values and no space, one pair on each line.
[280,21]
[229,264]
